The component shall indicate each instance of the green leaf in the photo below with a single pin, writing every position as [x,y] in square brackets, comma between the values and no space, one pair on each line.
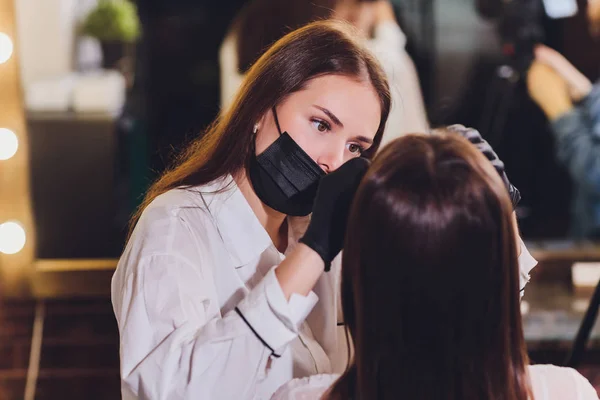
[113,20]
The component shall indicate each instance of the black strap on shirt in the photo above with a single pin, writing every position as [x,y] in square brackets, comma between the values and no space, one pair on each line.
[273,354]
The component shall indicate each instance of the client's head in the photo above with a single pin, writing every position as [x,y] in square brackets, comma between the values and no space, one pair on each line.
[430,283]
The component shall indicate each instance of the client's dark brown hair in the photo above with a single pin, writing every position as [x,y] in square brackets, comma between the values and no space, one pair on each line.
[430,281]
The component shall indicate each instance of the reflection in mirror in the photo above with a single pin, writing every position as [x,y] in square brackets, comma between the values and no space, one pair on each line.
[486,88]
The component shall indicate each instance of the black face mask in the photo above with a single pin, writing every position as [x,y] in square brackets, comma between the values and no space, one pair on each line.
[284,177]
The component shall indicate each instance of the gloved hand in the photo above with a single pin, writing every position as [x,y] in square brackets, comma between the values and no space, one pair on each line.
[327,228]
[474,137]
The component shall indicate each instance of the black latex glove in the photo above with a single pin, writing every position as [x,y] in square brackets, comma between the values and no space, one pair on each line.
[327,228]
[473,136]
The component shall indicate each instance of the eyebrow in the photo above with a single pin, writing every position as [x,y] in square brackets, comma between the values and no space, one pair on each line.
[364,140]
[330,115]
[336,121]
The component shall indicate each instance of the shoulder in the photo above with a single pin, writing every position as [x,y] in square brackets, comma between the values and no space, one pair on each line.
[179,203]
[312,387]
[168,245]
[176,218]
[170,207]
[560,383]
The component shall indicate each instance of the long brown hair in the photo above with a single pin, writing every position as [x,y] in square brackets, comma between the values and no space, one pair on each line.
[317,49]
[430,282]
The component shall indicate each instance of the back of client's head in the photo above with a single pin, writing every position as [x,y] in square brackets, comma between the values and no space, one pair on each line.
[430,289]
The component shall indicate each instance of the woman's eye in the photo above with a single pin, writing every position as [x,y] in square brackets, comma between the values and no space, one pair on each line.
[321,126]
[355,149]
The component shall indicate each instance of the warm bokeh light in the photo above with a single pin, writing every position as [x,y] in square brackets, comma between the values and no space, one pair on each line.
[12,237]
[6,47]
[9,143]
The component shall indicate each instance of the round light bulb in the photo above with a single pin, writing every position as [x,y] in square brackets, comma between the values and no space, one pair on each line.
[6,47]
[9,143]
[12,237]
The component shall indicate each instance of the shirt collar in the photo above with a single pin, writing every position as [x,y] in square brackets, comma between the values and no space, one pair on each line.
[242,233]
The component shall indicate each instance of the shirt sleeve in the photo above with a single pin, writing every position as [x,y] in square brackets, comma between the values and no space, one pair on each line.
[174,342]
[591,105]
[578,148]
[274,319]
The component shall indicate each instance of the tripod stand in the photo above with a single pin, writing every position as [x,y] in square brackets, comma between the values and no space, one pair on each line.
[497,102]
[520,30]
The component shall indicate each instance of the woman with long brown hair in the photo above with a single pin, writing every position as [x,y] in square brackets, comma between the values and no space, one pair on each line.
[430,285]
[213,292]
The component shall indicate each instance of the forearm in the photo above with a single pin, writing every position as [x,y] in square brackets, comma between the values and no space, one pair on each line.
[300,271]
[556,107]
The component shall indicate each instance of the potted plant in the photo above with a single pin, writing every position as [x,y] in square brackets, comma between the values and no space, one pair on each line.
[116,25]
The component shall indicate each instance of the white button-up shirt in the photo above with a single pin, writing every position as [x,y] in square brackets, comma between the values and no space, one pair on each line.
[195,255]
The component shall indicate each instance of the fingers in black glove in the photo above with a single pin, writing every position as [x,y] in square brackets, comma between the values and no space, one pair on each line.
[327,228]
[473,136]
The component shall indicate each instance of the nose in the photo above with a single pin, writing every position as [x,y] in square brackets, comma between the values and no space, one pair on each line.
[331,158]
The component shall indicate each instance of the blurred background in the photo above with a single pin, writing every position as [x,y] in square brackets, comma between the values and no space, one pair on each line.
[97,96]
